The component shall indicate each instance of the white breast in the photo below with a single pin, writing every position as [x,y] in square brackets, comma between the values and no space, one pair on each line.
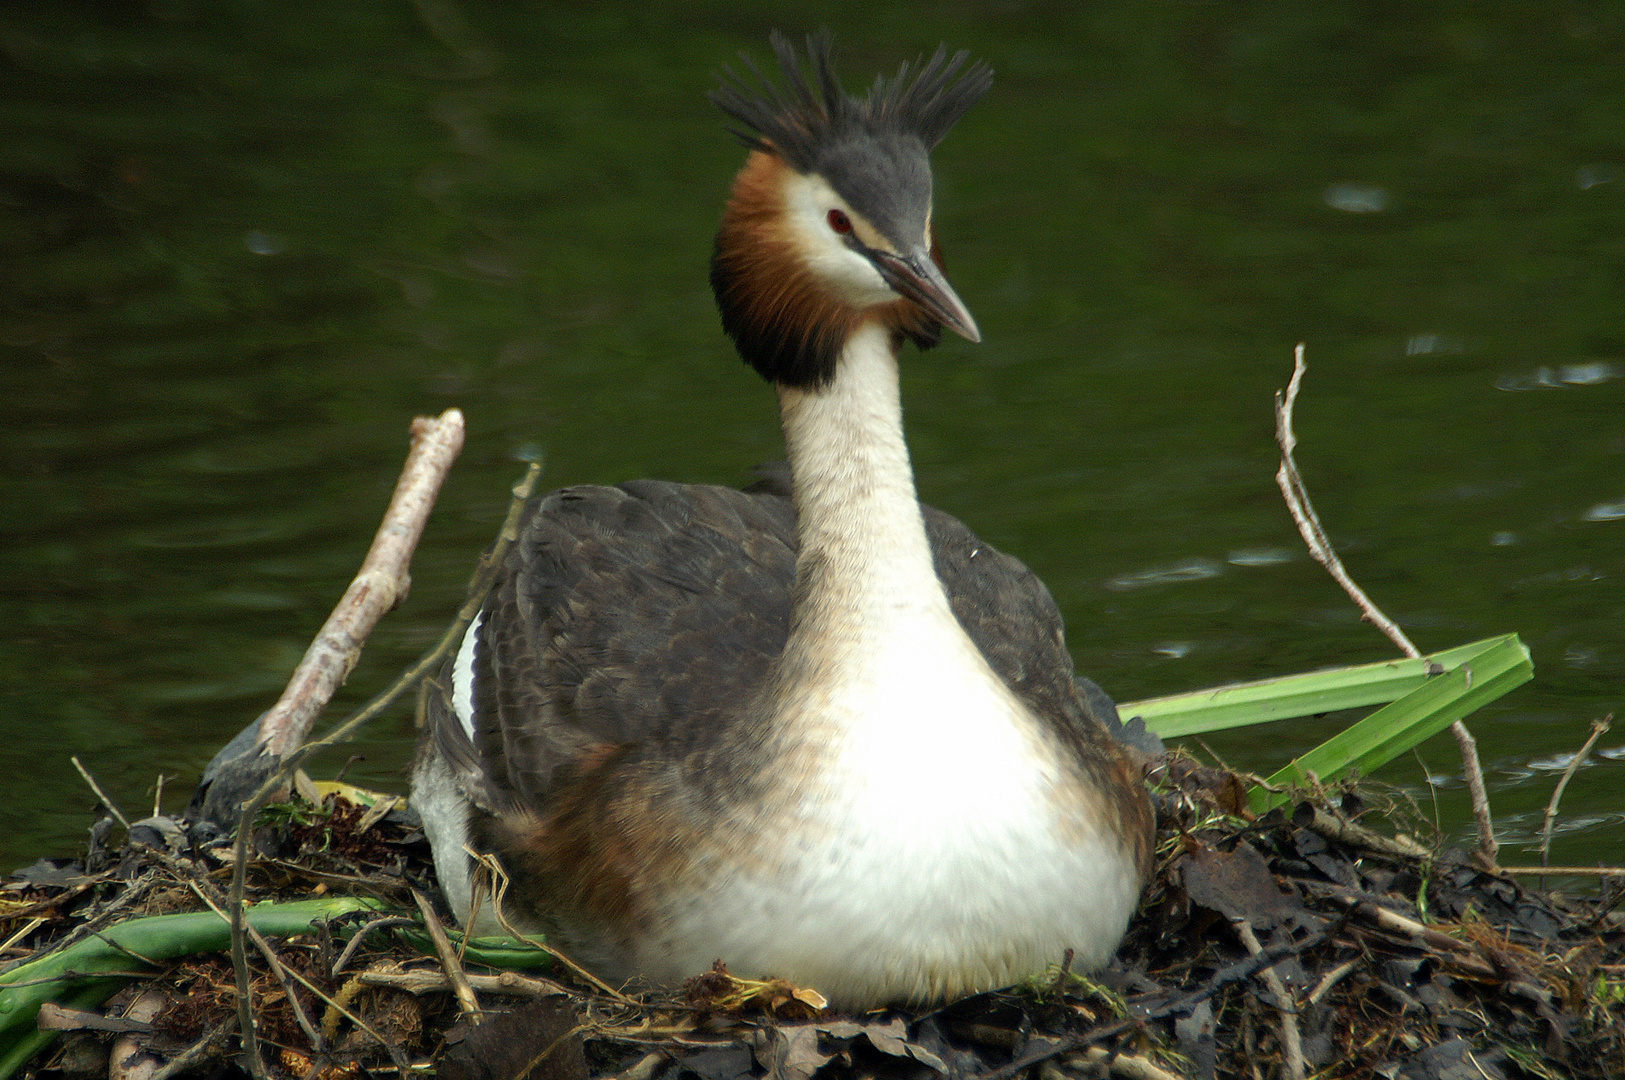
[930,858]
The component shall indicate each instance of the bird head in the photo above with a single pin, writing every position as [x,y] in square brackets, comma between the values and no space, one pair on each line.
[828,226]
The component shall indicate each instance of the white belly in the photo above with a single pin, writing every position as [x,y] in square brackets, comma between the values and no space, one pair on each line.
[929,858]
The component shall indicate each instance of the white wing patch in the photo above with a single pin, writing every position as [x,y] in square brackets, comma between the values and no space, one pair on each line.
[462,676]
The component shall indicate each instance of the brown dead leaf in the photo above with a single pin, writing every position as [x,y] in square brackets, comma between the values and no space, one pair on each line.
[1238,885]
[792,1052]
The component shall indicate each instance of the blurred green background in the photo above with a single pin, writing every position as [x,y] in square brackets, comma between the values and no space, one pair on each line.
[243,243]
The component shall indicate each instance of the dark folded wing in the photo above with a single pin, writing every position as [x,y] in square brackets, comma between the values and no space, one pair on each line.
[650,611]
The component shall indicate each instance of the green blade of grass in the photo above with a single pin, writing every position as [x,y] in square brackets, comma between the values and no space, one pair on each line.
[497,952]
[1498,666]
[1315,692]
[89,970]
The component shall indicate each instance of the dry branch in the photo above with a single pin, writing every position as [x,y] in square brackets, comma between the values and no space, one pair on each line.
[1336,828]
[381,583]
[112,807]
[1291,1040]
[1560,871]
[1320,548]
[428,982]
[1598,729]
[453,967]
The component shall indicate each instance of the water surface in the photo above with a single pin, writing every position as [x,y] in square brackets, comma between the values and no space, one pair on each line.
[244,244]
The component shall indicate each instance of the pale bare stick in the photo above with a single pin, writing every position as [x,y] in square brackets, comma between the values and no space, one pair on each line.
[1598,728]
[381,584]
[467,1002]
[1303,512]
[424,982]
[1291,1040]
[1329,980]
[1356,835]
[112,808]
[1320,548]
[1488,850]
[1456,952]
[1576,871]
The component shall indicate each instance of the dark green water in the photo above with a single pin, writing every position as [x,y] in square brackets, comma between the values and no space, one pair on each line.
[242,244]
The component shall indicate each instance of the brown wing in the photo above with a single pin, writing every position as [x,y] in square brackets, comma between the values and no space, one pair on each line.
[640,614]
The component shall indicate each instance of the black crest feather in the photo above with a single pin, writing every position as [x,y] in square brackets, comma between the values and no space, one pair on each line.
[801,118]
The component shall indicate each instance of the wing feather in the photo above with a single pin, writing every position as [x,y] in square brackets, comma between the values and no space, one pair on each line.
[645,613]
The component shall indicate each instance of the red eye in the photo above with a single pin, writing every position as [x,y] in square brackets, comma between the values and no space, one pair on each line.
[840,222]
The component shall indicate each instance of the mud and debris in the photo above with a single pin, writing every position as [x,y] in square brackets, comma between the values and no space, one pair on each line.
[1321,940]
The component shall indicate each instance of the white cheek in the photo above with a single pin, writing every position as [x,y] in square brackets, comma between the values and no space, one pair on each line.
[825,251]
[854,276]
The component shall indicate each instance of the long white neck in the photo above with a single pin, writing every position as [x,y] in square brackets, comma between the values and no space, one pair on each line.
[878,679]
[865,564]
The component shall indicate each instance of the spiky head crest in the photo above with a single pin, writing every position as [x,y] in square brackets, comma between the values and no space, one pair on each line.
[874,152]
[801,123]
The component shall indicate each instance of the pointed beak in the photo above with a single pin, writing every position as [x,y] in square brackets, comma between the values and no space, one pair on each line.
[917,277]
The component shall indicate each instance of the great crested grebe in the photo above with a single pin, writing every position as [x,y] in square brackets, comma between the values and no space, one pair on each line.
[833,738]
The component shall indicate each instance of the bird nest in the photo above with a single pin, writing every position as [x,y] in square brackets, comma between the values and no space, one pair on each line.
[1300,943]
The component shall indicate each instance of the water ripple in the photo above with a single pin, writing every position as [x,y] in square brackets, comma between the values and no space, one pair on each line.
[1605,512]
[1546,377]
[1356,198]
[1192,570]
[1273,556]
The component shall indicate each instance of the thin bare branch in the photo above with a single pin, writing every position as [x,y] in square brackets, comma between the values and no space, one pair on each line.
[1598,729]
[1291,1039]
[112,807]
[1314,536]
[1329,980]
[1488,850]
[428,982]
[1590,871]
[449,962]
[1296,494]
[1356,835]
[359,938]
[379,586]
